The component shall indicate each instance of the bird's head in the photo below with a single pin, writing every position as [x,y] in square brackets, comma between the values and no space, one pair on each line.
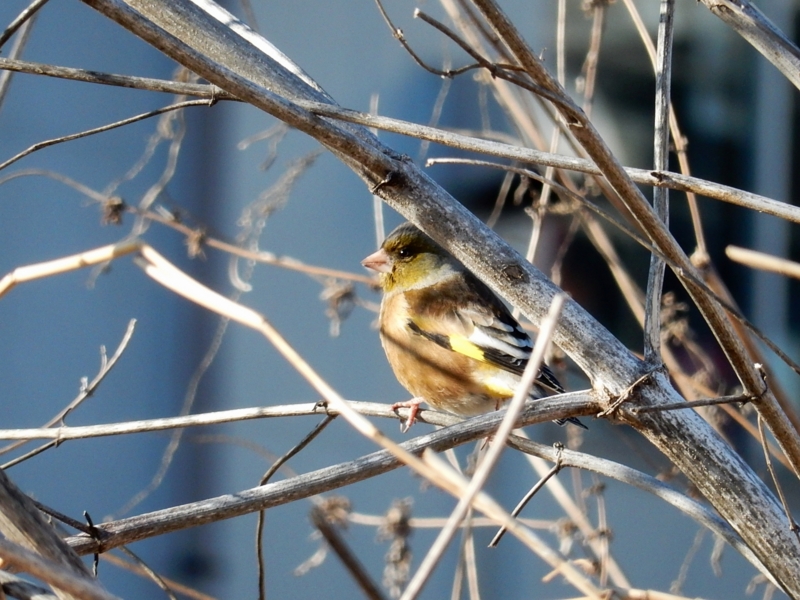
[409,259]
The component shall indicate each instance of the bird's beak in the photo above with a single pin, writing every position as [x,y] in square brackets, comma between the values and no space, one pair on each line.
[378,261]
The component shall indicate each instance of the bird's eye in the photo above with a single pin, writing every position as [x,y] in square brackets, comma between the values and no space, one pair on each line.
[403,253]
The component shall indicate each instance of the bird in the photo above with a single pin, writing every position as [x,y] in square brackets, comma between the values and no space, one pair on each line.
[449,339]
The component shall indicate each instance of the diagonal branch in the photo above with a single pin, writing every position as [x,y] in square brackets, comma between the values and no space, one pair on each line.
[80,588]
[761,33]
[22,524]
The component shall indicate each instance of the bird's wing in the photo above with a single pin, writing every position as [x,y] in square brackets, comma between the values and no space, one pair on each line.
[463,315]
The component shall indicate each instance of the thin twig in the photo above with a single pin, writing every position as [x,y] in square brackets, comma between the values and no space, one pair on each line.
[342,550]
[94,533]
[678,139]
[66,264]
[296,449]
[763,261]
[530,494]
[677,584]
[400,37]
[28,455]
[262,583]
[789,519]
[496,70]
[589,69]
[65,519]
[170,129]
[110,126]
[438,522]
[480,60]
[171,221]
[552,407]
[603,531]
[127,81]
[671,180]
[626,395]
[174,585]
[500,201]
[107,364]
[22,18]
[740,398]
[436,114]
[538,211]
[461,567]
[174,123]
[601,240]
[154,577]
[16,51]
[87,389]
[269,258]
[541,206]
[377,203]
[655,278]
[186,407]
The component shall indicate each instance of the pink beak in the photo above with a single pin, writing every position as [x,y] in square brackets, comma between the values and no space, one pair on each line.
[378,261]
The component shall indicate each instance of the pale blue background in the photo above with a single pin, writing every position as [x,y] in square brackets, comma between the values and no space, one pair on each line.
[50,330]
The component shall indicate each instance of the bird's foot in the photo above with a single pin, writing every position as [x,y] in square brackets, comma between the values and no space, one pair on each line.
[413,406]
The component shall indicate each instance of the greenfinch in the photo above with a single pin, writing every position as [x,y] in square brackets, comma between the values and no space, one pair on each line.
[449,339]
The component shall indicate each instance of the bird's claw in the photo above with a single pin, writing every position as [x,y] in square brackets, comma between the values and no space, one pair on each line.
[413,408]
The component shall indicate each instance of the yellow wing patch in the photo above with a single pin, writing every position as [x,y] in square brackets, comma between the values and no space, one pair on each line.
[463,346]
[497,388]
